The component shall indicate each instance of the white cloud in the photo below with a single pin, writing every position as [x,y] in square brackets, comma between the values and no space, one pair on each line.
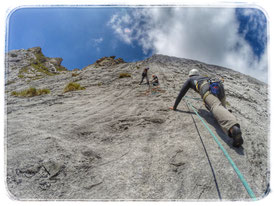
[98,41]
[205,34]
[95,43]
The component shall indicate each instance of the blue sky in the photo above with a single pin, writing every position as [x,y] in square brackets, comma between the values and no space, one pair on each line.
[234,38]
[80,36]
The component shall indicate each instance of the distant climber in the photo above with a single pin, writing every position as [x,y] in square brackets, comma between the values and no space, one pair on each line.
[214,102]
[155,80]
[145,75]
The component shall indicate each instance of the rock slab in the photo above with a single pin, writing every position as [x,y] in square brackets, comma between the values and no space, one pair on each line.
[117,140]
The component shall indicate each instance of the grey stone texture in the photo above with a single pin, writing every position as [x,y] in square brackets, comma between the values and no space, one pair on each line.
[117,140]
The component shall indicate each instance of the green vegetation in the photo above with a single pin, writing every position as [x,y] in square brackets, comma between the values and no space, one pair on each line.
[42,68]
[72,86]
[30,92]
[38,65]
[60,68]
[40,57]
[21,76]
[10,82]
[124,75]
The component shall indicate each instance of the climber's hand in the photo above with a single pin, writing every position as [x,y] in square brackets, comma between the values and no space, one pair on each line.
[172,108]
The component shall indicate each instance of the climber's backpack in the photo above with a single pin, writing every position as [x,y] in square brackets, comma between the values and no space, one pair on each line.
[217,89]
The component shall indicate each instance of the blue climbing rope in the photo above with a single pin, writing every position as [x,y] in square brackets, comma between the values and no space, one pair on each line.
[244,182]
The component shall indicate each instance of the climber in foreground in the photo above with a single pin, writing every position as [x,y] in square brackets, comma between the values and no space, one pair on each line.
[215,102]
[145,75]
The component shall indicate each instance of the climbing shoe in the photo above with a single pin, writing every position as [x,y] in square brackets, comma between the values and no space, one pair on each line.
[236,135]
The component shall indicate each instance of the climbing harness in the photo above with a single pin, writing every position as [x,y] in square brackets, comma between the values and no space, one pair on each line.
[241,177]
[210,86]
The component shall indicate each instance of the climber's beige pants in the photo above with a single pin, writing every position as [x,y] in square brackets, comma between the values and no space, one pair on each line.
[225,119]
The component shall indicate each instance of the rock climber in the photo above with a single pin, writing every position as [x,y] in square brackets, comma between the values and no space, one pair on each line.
[155,80]
[214,103]
[145,75]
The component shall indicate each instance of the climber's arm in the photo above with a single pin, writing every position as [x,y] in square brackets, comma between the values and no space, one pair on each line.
[182,93]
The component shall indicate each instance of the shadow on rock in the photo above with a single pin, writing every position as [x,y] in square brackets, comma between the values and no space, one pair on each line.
[208,117]
[187,112]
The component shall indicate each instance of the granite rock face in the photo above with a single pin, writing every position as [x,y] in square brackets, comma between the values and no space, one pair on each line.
[116,139]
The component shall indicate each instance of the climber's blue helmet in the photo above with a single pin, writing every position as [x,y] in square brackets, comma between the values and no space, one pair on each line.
[193,72]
